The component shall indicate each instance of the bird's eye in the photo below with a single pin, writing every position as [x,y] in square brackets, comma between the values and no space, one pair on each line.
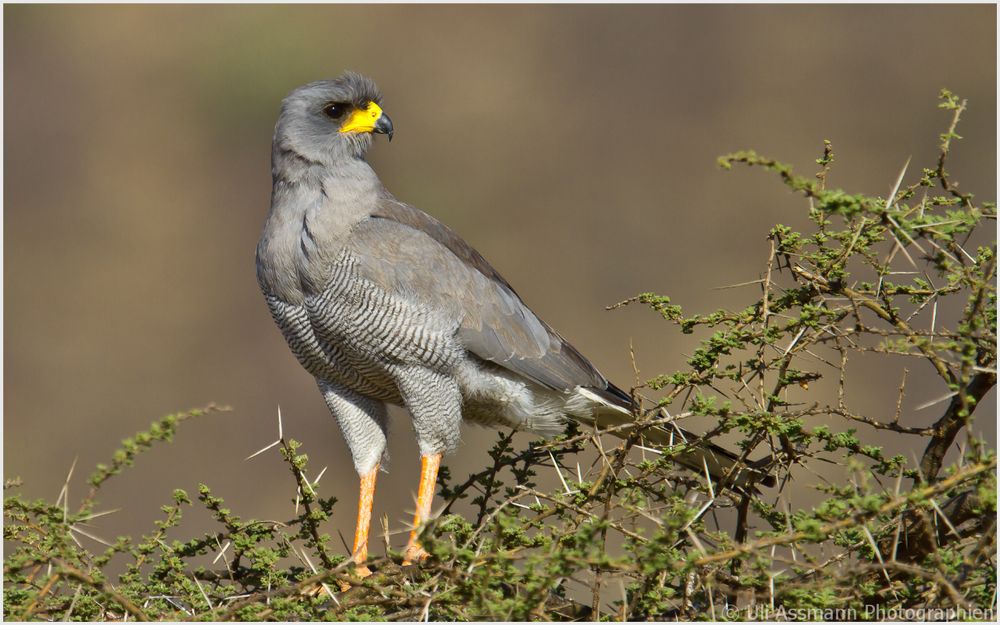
[335,110]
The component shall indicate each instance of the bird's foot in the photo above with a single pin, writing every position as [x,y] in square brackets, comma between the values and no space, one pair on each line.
[361,571]
[316,590]
[414,553]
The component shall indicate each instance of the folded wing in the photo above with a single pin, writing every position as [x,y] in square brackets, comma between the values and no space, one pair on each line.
[411,253]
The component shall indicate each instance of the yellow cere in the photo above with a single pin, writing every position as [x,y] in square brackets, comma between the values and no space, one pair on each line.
[362,120]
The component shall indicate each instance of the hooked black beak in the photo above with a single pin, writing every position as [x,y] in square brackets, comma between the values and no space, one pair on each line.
[383,126]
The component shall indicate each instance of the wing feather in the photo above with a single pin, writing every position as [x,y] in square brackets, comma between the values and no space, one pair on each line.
[410,252]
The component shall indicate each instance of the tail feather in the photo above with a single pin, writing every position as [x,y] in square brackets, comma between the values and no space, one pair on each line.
[614,409]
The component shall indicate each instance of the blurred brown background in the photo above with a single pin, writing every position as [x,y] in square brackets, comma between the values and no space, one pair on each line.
[574,146]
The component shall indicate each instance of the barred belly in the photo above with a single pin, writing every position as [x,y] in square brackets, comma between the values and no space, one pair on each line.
[331,362]
[355,334]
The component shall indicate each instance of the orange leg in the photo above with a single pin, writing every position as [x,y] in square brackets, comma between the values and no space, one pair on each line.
[425,495]
[365,500]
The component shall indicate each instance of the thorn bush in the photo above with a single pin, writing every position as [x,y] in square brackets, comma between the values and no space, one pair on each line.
[631,536]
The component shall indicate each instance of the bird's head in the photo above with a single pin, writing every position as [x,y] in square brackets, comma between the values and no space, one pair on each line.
[330,120]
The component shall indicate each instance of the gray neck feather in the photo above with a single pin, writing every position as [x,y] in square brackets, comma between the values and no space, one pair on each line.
[313,208]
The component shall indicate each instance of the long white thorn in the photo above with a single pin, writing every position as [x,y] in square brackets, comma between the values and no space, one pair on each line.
[262,450]
[281,437]
[700,512]
[650,450]
[204,595]
[944,518]
[936,401]
[559,473]
[98,514]
[316,481]
[222,551]
[899,181]
[74,528]
[708,478]
[64,493]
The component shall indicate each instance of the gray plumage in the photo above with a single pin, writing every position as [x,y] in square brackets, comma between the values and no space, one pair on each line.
[383,304]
